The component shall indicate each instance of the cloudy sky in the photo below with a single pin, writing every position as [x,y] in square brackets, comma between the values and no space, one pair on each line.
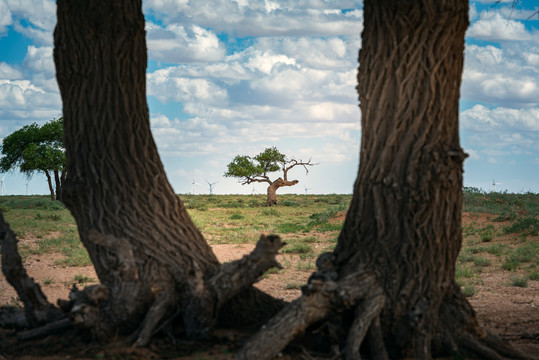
[228,77]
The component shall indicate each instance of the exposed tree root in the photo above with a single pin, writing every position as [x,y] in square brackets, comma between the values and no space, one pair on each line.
[320,297]
[45,330]
[367,312]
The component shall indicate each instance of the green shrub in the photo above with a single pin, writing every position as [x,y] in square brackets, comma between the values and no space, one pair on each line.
[528,225]
[236,216]
[519,281]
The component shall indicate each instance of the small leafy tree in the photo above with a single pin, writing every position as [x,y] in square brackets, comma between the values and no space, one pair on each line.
[37,148]
[256,169]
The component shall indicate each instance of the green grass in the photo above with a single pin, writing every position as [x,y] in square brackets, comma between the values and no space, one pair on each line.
[521,255]
[519,281]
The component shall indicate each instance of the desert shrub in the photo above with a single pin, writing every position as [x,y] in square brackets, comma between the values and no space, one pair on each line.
[528,225]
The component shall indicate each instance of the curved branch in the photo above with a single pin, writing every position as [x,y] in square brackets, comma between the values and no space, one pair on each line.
[294,163]
[263,178]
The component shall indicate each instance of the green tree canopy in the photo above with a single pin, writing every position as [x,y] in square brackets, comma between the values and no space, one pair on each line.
[35,148]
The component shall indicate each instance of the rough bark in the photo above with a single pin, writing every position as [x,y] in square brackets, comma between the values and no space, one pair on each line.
[404,222]
[150,258]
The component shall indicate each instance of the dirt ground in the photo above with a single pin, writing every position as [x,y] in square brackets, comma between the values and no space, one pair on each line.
[509,311]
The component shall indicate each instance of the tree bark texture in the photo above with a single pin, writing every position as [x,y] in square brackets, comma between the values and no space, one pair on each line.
[404,222]
[146,250]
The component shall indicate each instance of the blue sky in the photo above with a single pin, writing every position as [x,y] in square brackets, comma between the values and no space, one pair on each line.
[228,77]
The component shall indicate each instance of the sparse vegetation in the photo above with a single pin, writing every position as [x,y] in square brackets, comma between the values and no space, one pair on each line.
[309,224]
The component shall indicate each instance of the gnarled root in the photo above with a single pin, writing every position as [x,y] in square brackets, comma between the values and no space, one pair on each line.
[322,294]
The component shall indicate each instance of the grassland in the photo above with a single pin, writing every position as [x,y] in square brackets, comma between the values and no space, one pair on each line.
[500,230]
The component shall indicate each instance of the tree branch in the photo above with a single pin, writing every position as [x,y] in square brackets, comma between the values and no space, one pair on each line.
[236,275]
[294,163]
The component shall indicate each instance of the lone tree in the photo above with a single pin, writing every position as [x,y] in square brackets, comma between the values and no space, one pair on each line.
[256,169]
[391,278]
[37,148]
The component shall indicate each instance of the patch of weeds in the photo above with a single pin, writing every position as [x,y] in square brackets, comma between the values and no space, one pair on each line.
[53,217]
[48,281]
[270,212]
[468,290]
[523,254]
[306,265]
[519,281]
[480,261]
[495,249]
[309,239]
[232,205]
[236,216]
[15,302]
[74,256]
[293,286]
[528,225]
[289,228]
[286,262]
[289,203]
[534,275]
[487,233]
[297,248]
[464,272]
[82,279]
[273,270]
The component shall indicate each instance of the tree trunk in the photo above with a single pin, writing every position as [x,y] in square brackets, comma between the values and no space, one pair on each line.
[402,233]
[49,181]
[272,189]
[58,184]
[149,256]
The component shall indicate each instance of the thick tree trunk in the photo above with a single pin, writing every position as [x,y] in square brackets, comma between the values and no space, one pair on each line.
[402,234]
[272,190]
[149,256]
[49,181]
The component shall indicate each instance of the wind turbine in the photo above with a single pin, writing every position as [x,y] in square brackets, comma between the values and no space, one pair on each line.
[254,190]
[494,183]
[27,188]
[3,186]
[194,189]
[211,185]
[306,189]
